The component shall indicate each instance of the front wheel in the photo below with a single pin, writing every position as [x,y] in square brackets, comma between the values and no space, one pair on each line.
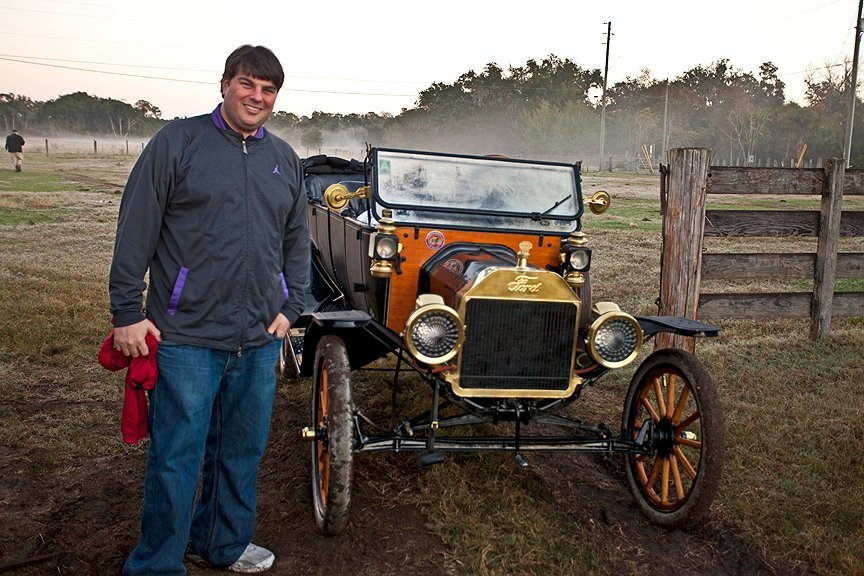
[674,483]
[332,456]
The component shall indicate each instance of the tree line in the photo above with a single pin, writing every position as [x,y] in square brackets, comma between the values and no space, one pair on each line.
[549,108]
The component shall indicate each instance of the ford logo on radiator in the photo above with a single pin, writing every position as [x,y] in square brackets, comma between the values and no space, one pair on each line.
[524,284]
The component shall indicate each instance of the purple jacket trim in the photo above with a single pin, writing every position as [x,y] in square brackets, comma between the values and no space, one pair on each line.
[216,115]
[284,286]
[178,289]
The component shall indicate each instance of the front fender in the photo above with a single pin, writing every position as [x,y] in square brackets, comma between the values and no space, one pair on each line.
[365,339]
[652,325]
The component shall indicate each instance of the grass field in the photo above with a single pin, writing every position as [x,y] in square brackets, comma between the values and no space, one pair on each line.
[792,485]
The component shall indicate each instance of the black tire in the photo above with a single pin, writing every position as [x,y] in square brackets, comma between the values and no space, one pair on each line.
[675,485]
[332,456]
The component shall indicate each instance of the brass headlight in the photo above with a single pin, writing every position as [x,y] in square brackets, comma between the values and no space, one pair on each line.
[614,339]
[434,332]
[386,246]
[579,259]
[575,255]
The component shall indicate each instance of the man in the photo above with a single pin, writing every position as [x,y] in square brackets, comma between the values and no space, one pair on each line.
[15,146]
[215,209]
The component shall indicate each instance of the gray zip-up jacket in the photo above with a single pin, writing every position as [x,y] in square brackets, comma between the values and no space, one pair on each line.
[220,223]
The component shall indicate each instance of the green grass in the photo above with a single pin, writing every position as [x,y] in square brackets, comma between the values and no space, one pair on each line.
[849,285]
[33,180]
[626,214]
[17,216]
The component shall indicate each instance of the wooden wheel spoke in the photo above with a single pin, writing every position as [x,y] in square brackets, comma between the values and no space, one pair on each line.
[684,424]
[652,477]
[323,474]
[640,470]
[676,476]
[324,396]
[670,397]
[682,458]
[688,442]
[658,392]
[646,403]
[664,482]
[682,401]
[648,482]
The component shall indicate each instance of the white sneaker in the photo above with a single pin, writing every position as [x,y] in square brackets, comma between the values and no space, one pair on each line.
[254,559]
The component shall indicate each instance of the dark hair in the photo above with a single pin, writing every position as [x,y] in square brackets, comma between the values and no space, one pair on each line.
[256,61]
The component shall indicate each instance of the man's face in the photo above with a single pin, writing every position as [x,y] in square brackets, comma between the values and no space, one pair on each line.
[247,102]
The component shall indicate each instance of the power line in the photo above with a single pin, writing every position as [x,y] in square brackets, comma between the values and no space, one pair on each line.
[68,39]
[808,70]
[209,83]
[112,6]
[19,58]
[88,16]
[815,8]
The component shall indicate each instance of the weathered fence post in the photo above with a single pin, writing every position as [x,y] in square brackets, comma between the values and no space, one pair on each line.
[826,249]
[94,147]
[46,147]
[683,227]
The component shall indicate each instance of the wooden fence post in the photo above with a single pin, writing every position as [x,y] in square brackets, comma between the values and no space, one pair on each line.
[683,228]
[825,271]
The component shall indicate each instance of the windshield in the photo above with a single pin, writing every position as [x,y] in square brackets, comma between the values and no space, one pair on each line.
[428,188]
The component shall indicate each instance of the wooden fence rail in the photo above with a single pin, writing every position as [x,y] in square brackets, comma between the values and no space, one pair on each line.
[688,180]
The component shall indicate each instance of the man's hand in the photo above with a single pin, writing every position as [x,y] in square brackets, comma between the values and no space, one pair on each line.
[279,326]
[130,339]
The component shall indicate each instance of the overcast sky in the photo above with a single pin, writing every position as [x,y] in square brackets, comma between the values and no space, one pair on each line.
[375,56]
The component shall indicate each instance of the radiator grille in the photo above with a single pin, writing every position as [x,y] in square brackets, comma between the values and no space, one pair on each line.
[517,344]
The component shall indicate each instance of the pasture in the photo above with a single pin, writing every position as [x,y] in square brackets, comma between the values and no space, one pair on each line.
[791,499]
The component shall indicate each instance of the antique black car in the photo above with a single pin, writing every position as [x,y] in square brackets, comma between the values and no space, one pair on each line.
[473,273]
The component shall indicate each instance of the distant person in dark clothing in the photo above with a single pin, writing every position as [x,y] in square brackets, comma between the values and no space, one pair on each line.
[15,146]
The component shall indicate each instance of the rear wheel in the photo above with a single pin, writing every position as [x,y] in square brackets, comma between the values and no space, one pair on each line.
[332,457]
[675,484]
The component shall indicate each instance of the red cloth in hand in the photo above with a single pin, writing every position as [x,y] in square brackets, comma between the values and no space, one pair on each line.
[141,375]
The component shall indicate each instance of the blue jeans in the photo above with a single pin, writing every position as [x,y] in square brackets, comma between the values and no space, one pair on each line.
[214,407]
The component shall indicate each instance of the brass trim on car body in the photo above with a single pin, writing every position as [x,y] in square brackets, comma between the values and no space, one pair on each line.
[337,196]
[453,380]
[599,202]
[611,311]
[519,283]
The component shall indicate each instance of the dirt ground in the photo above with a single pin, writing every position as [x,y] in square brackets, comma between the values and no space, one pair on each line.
[83,519]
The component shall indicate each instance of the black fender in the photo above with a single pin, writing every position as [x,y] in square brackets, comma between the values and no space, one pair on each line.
[366,339]
[652,325]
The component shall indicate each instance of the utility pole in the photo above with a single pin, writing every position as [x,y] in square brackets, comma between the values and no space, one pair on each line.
[603,98]
[665,116]
[853,85]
